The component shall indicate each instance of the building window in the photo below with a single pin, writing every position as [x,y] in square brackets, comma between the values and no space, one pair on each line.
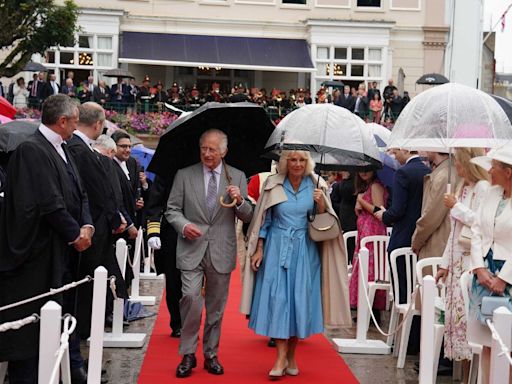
[92,53]
[368,3]
[300,2]
[348,64]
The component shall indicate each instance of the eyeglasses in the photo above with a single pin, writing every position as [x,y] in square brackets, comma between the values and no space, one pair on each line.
[124,146]
[205,150]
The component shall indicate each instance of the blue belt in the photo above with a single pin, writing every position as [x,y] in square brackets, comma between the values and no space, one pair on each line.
[289,235]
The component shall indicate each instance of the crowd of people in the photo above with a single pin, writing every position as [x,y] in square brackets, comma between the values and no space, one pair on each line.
[126,95]
[70,192]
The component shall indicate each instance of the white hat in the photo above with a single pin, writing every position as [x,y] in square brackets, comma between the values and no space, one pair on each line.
[503,154]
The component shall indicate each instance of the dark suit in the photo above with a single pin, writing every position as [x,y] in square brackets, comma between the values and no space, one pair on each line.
[405,210]
[361,106]
[346,101]
[343,200]
[120,99]
[99,94]
[105,215]
[165,258]
[43,213]
[67,90]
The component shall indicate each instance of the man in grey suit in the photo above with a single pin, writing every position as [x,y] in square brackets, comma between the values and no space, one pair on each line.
[207,248]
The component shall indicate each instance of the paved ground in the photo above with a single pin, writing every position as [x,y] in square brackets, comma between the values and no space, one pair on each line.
[123,365]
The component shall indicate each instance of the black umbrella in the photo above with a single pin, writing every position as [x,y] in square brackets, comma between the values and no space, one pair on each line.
[333,83]
[247,126]
[34,67]
[432,79]
[118,72]
[505,104]
[14,133]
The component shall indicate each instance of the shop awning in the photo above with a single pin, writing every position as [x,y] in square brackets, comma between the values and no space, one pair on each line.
[260,54]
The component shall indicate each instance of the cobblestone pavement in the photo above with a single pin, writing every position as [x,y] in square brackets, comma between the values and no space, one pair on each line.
[123,364]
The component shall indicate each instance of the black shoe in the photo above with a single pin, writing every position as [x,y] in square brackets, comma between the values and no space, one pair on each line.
[78,376]
[271,343]
[187,363]
[213,366]
[441,369]
[176,333]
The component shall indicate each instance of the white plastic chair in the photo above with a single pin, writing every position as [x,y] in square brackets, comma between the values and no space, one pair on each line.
[346,236]
[476,349]
[434,263]
[401,309]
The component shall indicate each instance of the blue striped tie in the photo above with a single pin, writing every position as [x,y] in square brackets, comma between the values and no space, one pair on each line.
[211,194]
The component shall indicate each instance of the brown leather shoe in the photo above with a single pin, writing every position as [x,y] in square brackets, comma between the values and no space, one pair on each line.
[185,367]
[213,366]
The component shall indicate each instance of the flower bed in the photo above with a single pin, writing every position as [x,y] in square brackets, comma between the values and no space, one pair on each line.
[153,123]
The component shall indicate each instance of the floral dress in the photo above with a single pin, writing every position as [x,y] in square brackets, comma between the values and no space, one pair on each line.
[456,260]
[367,225]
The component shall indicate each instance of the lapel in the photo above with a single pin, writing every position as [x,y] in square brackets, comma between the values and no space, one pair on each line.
[220,191]
[491,206]
[197,181]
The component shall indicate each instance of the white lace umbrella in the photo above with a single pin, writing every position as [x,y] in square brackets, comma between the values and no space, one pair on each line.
[450,116]
[336,138]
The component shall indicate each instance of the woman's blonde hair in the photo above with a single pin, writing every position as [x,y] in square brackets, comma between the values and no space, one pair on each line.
[282,166]
[473,173]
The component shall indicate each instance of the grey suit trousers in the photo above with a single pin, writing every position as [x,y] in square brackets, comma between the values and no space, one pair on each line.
[191,307]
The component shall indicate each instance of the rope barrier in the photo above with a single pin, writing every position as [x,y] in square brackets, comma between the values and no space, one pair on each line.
[17,324]
[52,292]
[496,336]
[367,299]
[112,285]
[69,327]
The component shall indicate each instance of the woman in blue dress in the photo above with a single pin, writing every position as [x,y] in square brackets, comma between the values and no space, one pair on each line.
[287,297]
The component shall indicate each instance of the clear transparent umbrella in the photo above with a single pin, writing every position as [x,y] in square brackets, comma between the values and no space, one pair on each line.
[336,138]
[450,116]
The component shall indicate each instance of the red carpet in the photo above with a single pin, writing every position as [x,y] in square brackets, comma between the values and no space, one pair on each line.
[244,355]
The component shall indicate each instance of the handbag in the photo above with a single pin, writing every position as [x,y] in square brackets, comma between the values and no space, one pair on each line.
[466,234]
[465,237]
[324,226]
[491,303]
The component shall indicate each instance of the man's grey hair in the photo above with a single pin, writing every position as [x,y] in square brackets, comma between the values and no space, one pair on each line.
[223,138]
[106,142]
[57,106]
[90,113]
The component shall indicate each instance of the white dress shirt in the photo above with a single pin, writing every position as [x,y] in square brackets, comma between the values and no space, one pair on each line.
[85,139]
[55,140]
[123,166]
[54,87]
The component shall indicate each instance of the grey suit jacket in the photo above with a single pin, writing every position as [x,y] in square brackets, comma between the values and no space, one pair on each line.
[187,204]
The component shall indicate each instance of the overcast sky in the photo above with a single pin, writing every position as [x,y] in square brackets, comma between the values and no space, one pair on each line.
[493,9]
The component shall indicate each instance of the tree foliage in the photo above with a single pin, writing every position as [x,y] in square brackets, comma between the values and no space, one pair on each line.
[33,26]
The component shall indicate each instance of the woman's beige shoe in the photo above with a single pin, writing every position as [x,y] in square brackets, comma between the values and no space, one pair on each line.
[292,371]
[277,373]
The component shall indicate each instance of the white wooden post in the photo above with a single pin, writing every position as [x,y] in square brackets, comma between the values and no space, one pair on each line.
[97,325]
[361,344]
[49,340]
[427,342]
[135,293]
[148,260]
[118,339]
[500,367]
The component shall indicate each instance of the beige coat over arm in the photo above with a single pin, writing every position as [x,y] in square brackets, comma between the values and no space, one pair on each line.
[335,303]
[433,227]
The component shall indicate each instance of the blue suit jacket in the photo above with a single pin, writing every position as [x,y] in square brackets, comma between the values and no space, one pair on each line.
[406,205]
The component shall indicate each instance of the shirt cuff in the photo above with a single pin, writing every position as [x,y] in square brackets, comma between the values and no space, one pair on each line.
[90,226]
[183,230]
[239,205]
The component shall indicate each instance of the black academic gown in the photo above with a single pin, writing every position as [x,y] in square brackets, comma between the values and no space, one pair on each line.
[165,258]
[105,216]
[43,211]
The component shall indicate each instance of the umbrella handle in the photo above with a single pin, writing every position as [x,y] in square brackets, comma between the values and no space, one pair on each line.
[229,180]
[226,205]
